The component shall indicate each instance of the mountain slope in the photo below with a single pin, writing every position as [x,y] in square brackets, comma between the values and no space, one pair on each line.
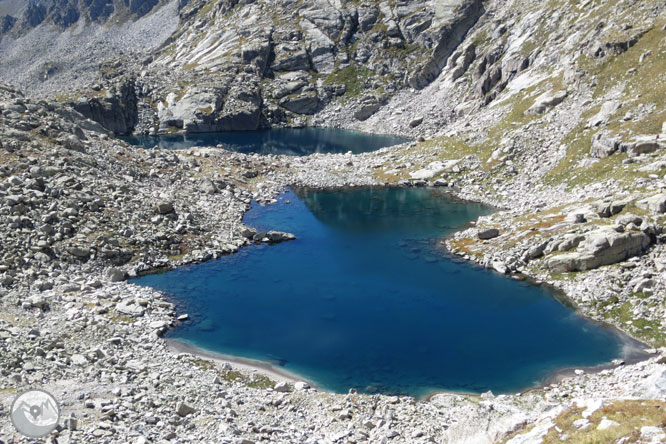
[63,47]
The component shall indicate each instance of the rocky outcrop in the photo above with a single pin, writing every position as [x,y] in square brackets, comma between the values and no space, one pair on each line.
[7,22]
[655,204]
[368,106]
[546,101]
[116,111]
[456,18]
[601,247]
[604,144]
[209,109]
[304,103]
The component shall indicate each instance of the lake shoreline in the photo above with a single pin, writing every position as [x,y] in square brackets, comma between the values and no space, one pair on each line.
[245,364]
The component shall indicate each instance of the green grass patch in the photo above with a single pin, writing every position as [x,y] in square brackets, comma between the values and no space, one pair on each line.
[353,77]
[644,329]
[630,415]
[644,89]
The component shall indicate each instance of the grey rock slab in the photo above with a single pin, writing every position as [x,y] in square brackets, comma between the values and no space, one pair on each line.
[546,101]
[130,308]
[164,207]
[489,233]
[183,409]
[305,103]
[655,204]
[602,247]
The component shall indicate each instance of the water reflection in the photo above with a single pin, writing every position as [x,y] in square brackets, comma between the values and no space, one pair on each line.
[292,142]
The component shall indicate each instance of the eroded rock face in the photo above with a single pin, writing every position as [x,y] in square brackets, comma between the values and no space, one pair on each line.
[244,68]
[456,17]
[117,111]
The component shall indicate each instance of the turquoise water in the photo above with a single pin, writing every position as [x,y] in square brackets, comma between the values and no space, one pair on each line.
[293,142]
[366,298]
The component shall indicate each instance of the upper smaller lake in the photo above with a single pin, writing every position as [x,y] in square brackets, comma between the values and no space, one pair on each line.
[292,142]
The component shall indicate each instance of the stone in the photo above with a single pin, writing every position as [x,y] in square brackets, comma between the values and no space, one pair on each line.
[609,208]
[366,110]
[164,207]
[305,103]
[606,424]
[279,236]
[73,143]
[644,284]
[535,252]
[652,434]
[183,409]
[78,359]
[432,170]
[116,112]
[546,101]
[601,247]
[486,234]
[282,387]
[416,122]
[582,424]
[655,204]
[287,59]
[208,187]
[602,117]
[641,145]
[131,308]
[604,145]
[115,275]
[499,267]
[79,252]
[320,48]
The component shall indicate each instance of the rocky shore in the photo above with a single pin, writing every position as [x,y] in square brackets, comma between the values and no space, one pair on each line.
[82,211]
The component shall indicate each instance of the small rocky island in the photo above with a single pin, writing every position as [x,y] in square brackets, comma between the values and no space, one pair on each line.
[552,112]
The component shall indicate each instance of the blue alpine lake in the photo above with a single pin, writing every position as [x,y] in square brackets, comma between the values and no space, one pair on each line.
[289,141]
[367,298]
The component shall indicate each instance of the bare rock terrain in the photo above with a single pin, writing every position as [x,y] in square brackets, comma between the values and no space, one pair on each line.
[550,111]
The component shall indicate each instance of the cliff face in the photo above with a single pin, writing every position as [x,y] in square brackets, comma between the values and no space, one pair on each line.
[245,65]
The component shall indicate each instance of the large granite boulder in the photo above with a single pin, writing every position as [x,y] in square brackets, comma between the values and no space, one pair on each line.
[656,204]
[546,101]
[602,247]
[305,103]
[210,109]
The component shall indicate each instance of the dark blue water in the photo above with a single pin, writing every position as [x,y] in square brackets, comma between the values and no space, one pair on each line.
[293,142]
[366,298]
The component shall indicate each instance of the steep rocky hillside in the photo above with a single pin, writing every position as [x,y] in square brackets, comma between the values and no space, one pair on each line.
[63,14]
[49,46]
[247,65]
